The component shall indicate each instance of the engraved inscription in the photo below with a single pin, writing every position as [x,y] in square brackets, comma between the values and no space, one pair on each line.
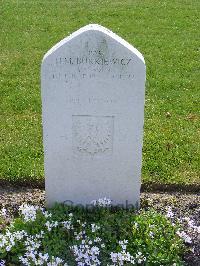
[92,135]
[73,76]
[91,64]
[92,61]
[91,100]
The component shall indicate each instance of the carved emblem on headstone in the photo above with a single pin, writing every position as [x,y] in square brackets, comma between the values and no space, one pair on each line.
[92,134]
[93,109]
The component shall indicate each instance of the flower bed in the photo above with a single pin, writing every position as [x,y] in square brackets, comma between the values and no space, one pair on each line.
[99,235]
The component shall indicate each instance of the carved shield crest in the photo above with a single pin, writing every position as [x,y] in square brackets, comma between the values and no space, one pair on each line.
[92,134]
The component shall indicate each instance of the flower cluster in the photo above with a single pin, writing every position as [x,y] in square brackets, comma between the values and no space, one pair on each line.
[51,225]
[184,236]
[86,253]
[3,213]
[68,224]
[2,263]
[191,225]
[169,213]
[94,228]
[88,243]
[120,258]
[8,240]
[32,244]
[41,259]
[87,249]
[102,202]
[186,222]
[28,212]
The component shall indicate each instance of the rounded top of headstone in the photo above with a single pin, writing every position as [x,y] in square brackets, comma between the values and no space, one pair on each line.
[99,28]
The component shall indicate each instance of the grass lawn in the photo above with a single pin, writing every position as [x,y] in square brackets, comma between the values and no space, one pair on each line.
[165,32]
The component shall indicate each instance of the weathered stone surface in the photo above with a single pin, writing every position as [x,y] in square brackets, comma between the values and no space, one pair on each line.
[93,102]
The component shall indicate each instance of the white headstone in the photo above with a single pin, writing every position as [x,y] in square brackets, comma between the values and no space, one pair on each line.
[93,86]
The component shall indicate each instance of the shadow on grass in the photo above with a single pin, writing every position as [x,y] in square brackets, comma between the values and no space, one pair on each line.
[145,187]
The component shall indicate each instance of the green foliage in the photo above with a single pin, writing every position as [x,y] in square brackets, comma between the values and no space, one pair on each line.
[155,236]
[148,234]
[166,34]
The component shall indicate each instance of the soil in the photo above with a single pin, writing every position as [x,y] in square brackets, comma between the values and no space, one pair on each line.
[183,205]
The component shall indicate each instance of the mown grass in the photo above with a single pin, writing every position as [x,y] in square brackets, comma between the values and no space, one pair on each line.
[166,32]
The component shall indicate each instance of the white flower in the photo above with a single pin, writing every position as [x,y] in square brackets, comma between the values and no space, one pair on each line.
[151,234]
[79,235]
[169,214]
[47,214]
[3,212]
[191,225]
[2,263]
[95,228]
[8,247]
[55,262]
[44,257]
[85,253]
[138,254]
[24,261]
[136,225]
[140,258]
[8,240]
[28,212]
[51,225]
[123,244]
[122,257]
[102,202]
[68,224]
[184,236]
[97,239]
